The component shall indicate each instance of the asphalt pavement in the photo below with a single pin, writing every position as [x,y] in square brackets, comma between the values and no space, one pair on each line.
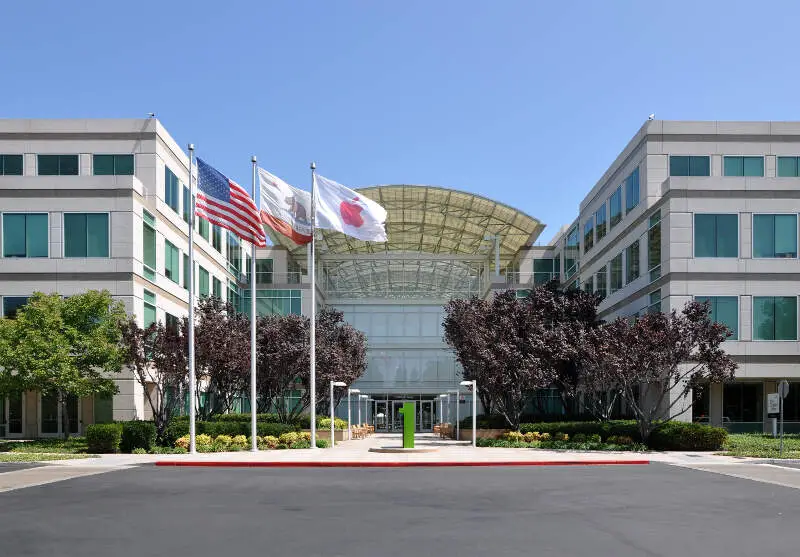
[620,511]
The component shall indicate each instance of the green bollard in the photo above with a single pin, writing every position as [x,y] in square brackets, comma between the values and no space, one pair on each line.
[408,412]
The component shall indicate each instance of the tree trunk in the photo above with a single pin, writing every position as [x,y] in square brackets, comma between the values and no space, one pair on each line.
[62,403]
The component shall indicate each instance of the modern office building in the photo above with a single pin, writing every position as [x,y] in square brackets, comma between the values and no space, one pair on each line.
[703,210]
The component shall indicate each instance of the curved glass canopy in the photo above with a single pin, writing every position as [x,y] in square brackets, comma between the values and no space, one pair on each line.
[441,243]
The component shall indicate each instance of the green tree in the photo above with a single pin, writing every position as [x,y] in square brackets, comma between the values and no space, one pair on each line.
[64,346]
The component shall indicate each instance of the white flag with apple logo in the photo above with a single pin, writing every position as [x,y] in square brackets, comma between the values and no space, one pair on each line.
[346,211]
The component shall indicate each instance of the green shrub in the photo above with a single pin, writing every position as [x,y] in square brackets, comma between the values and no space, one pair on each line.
[619,440]
[240,441]
[139,450]
[513,436]
[180,427]
[683,436]
[276,430]
[603,429]
[103,438]
[322,444]
[267,442]
[325,423]
[137,435]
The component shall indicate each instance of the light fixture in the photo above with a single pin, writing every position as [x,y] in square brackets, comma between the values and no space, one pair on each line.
[466,383]
[339,384]
[333,429]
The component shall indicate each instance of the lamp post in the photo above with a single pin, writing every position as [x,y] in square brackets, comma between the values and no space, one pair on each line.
[349,427]
[333,430]
[474,386]
[362,399]
[441,406]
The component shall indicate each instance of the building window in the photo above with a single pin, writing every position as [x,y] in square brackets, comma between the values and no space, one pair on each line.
[724,310]
[588,285]
[234,254]
[544,270]
[10,165]
[58,165]
[571,253]
[149,245]
[264,271]
[788,167]
[689,166]
[216,238]
[202,227]
[112,165]
[187,203]
[234,296]
[217,286]
[171,322]
[172,189]
[601,280]
[588,234]
[149,316]
[600,221]
[654,247]
[743,166]
[774,318]
[654,302]
[775,236]
[85,234]
[632,262]
[743,402]
[52,418]
[172,261]
[274,302]
[615,205]
[716,235]
[186,272]
[11,305]
[25,235]
[203,280]
[616,273]
[632,191]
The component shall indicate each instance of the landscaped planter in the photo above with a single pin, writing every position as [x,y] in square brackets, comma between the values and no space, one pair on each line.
[341,434]
[466,434]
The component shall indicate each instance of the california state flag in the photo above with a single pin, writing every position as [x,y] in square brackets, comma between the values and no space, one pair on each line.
[284,208]
[346,211]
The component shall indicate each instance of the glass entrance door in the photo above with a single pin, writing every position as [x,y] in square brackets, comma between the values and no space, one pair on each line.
[381,418]
[425,416]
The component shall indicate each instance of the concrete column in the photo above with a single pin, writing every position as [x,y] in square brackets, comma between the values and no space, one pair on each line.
[715,393]
[716,165]
[770,165]
[770,386]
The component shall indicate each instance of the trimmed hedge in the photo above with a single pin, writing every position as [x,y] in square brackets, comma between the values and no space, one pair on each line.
[137,435]
[180,427]
[683,436]
[495,421]
[626,428]
[103,438]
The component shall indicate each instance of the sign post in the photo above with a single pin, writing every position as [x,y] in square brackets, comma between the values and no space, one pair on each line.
[773,411]
[783,391]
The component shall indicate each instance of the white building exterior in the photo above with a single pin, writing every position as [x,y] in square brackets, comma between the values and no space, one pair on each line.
[688,209]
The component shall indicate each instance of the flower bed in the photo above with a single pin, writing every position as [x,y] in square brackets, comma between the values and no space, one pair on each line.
[561,441]
[224,443]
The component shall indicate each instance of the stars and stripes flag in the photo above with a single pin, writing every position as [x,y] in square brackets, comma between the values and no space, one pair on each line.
[223,202]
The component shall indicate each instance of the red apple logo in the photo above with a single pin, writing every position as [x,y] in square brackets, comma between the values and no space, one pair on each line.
[351,213]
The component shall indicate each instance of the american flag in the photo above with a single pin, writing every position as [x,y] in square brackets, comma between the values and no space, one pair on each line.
[223,202]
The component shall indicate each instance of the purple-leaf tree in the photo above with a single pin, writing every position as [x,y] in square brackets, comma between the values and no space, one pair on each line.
[659,360]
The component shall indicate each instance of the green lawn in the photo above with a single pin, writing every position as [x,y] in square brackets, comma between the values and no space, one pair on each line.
[39,457]
[73,445]
[762,446]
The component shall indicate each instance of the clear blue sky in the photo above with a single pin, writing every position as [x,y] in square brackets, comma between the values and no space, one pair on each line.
[523,101]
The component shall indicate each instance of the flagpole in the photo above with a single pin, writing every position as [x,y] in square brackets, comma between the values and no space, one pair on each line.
[313,317]
[253,405]
[192,385]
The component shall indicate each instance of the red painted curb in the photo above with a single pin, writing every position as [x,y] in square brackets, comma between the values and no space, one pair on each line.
[245,464]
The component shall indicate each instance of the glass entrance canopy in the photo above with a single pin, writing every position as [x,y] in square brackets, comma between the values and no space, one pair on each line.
[441,244]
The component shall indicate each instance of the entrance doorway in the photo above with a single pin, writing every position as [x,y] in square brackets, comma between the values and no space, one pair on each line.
[387,418]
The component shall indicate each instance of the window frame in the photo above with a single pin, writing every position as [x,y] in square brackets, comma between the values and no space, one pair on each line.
[796,166]
[738,298]
[611,289]
[178,190]
[3,239]
[611,223]
[753,236]
[588,236]
[3,163]
[753,319]
[64,234]
[635,172]
[738,237]
[597,223]
[742,158]
[688,166]
[59,163]
[178,277]
[114,155]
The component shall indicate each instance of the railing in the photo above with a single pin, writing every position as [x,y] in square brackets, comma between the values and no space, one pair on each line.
[529,279]
[294,277]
